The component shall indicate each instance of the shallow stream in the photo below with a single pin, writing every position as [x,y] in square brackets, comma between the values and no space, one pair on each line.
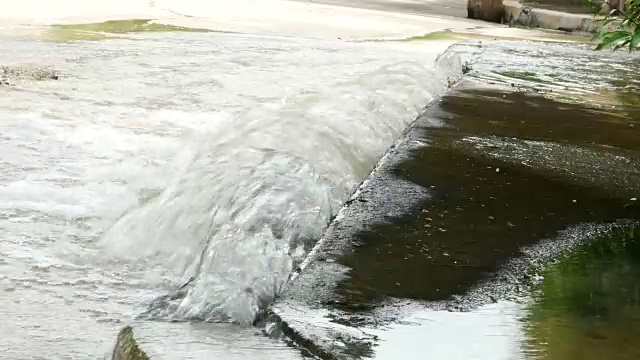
[155,158]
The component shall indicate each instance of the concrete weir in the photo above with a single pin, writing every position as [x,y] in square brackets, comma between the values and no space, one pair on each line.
[70,24]
[453,219]
[474,194]
[468,186]
[503,173]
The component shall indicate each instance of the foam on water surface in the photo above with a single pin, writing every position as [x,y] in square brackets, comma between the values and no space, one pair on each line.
[169,156]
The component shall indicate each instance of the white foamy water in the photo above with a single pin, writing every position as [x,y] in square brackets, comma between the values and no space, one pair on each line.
[163,157]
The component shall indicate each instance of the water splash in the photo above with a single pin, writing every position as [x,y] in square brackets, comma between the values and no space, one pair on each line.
[258,188]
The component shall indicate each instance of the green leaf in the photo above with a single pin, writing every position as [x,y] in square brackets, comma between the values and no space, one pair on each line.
[621,44]
[593,5]
[627,22]
[635,40]
[614,38]
[608,21]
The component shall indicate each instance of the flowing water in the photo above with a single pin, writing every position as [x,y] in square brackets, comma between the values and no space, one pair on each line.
[158,158]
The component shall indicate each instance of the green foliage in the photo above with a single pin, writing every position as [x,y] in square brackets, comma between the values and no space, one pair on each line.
[620,28]
[593,6]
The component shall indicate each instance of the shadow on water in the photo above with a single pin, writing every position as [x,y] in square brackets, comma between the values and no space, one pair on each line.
[486,205]
[588,306]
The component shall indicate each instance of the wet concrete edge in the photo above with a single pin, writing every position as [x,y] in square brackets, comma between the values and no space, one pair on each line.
[512,282]
[367,205]
[268,317]
[380,199]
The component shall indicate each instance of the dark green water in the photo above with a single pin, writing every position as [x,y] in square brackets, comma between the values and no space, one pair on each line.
[588,306]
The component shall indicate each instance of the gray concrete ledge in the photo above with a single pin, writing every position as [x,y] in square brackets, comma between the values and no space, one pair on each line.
[516,13]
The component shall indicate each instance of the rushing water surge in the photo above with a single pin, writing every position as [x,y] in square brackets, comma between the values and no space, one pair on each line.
[160,158]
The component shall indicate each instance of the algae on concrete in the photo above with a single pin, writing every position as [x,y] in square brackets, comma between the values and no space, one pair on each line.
[110,29]
[546,35]
[440,35]
[126,26]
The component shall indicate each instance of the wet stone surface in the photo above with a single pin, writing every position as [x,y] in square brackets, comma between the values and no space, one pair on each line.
[481,176]
[484,208]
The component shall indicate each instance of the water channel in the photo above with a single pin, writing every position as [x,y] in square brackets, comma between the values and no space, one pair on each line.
[156,158]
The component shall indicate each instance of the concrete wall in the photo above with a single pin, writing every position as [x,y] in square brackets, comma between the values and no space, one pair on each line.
[487,10]
[517,14]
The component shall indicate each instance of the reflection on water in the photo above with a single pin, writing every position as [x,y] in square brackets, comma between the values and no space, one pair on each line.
[490,332]
[588,306]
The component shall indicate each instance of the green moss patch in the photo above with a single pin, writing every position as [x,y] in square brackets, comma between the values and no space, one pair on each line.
[440,35]
[125,27]
[110,29]
[127,348]
[454,35]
